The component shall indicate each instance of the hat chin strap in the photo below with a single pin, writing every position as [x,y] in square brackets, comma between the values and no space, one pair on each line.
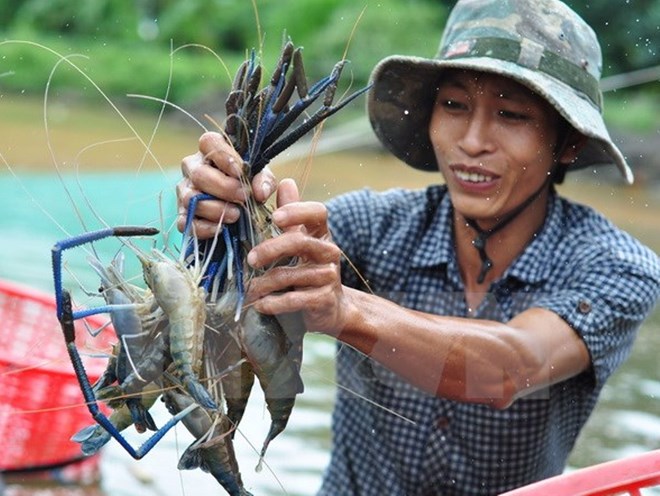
[483,234]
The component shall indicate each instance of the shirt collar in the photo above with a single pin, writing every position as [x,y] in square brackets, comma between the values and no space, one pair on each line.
[532,265]
[436,246]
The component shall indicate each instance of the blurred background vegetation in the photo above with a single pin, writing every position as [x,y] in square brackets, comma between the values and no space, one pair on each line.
[132,46]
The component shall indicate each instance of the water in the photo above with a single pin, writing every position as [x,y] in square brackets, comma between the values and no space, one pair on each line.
[626,421]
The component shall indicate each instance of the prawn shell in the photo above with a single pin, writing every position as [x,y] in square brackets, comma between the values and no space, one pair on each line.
[276,362]
[215,456]
[224,352]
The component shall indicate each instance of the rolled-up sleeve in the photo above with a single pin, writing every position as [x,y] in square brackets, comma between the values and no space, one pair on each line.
[605,298]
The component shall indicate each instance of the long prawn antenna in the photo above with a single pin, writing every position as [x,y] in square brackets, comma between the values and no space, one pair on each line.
[88,237]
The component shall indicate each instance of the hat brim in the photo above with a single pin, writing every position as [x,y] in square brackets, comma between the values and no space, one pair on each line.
[402,98]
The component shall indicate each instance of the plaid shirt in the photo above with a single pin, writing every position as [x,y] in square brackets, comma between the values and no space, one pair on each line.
[391,438]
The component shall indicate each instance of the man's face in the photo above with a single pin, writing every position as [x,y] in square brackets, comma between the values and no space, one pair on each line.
[494,141]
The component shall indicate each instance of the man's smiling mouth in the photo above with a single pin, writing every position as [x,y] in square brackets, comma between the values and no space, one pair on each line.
[473,177]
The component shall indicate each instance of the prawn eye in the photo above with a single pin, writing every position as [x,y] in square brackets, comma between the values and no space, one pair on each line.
[101,289]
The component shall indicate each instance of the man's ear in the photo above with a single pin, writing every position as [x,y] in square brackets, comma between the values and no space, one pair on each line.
[574,143]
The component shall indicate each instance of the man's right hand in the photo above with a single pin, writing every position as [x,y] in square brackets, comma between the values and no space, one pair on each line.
[218,170]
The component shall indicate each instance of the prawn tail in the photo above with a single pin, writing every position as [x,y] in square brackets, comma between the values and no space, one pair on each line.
[91,439]
[215,455]
[280,410]
[193,457]
[276,359]
[222,349]
[237,387]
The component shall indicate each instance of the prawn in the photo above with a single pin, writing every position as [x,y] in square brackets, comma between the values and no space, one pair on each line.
[135,328]
[257,126]
[183,301]
[258,345]
[213,450]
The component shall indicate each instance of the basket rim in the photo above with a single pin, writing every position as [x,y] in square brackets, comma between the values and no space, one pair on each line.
[604,479]
[24,292]
[58,464]
[13,289]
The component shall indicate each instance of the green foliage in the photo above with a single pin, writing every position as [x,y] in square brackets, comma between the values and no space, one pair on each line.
[217,24]
[628,30]
[125,38]
[118,69]
[8,9]
[111,19]
[634,111]
[387,27]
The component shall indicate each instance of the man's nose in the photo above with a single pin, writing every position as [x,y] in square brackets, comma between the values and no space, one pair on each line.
[478,136]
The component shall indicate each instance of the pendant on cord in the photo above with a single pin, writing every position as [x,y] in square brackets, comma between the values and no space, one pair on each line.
[480,244]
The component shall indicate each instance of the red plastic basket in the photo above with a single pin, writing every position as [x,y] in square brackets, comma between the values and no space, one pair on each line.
[41,405]
[618,477]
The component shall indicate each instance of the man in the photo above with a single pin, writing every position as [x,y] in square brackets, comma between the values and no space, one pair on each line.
[483,316]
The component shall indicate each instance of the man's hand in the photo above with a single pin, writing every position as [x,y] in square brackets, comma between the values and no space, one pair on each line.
[313,285]
[218,170]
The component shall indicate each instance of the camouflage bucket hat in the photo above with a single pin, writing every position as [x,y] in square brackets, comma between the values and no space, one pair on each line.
[541,44]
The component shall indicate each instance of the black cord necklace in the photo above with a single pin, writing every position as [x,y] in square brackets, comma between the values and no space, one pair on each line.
[483,234]
[564,135]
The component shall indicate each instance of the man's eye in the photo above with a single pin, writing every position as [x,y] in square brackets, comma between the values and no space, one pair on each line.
[516,116]
[453,104]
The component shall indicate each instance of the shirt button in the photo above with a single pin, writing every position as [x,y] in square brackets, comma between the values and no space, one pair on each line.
[584,306]
[442,422]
